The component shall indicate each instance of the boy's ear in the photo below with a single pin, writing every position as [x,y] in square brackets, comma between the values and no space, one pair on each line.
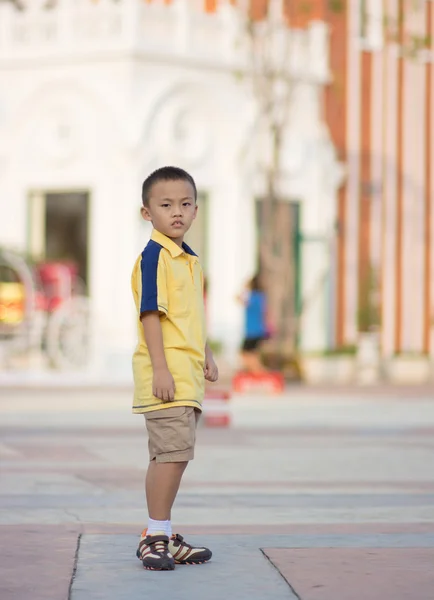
[144,211]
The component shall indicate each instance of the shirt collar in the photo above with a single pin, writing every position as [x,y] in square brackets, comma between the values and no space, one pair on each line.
[170,245]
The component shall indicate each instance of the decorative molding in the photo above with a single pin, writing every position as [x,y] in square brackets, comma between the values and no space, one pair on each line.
[179,128]
[178,31]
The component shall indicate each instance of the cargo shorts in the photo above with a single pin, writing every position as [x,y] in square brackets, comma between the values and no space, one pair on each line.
[172,433]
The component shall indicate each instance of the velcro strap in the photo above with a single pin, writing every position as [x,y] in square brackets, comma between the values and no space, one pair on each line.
[153,539]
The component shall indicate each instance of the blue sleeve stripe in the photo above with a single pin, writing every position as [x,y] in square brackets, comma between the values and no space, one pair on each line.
[149,267]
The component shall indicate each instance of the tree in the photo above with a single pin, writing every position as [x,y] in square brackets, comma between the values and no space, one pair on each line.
[271,45]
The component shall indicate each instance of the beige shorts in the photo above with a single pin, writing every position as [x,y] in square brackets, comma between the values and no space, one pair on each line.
[172,433]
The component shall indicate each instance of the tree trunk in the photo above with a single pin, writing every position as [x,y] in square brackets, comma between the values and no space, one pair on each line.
[277,259]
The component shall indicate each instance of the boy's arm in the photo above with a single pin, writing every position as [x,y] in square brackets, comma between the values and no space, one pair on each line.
[163,385]
[210,369]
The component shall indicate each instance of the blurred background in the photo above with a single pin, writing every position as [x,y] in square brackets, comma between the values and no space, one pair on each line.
[309,128]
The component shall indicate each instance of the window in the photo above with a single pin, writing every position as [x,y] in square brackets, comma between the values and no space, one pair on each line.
[58,228]
[287,247]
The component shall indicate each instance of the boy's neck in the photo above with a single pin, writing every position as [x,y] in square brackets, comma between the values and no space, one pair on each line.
[178,241]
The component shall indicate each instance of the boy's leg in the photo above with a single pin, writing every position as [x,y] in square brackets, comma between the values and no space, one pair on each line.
[172,436]
[162,485]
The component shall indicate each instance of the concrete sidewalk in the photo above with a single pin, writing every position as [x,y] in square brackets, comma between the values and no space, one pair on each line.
[311,498]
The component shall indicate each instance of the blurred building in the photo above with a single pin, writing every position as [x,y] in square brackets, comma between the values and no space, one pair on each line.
[95,95]
[380,111]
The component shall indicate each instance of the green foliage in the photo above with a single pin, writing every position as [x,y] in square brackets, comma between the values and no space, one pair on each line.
[411,355]
[216,346]
[305,8]
[336,5]
[349,350]
[369,314]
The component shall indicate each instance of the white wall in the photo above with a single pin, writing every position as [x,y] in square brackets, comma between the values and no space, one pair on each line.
[125,114]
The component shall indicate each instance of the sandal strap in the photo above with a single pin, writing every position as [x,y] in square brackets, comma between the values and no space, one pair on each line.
[153,539]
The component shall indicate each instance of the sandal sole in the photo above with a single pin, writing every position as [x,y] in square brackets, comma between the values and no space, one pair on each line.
[201,562]
[165,568]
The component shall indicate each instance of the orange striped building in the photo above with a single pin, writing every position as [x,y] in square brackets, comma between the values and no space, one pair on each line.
[380,111]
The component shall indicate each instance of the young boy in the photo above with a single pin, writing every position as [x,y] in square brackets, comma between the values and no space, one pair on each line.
[172,358]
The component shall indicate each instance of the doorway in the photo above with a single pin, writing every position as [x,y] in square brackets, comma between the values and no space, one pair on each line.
[287,246]
[58,225]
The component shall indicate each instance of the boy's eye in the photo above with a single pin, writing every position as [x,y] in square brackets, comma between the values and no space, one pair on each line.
[165,205]
[187,204]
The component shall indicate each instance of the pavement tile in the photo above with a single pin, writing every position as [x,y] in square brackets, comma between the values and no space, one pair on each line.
[357,573]
[52,452]
[108,569]
[338,529]
[318,477]
[37,562]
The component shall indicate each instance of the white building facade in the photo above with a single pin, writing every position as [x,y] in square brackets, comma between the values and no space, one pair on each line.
[94,96]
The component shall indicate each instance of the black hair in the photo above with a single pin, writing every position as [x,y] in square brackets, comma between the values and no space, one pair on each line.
[256,283]
[166,174]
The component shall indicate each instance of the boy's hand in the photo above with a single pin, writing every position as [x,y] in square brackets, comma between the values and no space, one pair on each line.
[163,385]
[210,369]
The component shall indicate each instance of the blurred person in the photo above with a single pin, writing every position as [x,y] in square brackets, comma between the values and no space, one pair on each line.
[255,325]
[172,358]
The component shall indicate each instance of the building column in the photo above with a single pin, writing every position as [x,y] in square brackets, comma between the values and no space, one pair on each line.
[231,257]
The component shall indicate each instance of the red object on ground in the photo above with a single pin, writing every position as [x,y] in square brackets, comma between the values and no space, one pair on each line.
[212,419]
[223,395]
[271,382]
[216,410]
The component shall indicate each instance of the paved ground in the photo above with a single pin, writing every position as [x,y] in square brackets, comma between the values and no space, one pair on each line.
[315,495]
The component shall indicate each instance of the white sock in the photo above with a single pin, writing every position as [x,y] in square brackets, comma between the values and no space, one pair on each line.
[169,529]
[159,526]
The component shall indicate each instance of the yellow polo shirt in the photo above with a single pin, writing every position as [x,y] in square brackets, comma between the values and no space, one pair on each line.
[169,279]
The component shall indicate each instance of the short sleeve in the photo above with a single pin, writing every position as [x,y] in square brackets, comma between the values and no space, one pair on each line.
[151,278]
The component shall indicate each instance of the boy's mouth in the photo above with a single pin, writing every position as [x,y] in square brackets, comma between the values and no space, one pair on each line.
[177,224]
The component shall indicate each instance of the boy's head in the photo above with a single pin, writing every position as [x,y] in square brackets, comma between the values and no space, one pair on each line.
[169,201]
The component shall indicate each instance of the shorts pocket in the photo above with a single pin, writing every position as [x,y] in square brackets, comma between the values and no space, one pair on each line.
[171,429]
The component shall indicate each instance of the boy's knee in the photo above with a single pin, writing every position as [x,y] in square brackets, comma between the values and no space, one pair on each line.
[179,465]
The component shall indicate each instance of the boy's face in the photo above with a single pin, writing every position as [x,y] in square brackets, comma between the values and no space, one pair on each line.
[171,208]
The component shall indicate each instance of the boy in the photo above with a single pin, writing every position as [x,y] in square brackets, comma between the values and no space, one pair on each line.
[172,358]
